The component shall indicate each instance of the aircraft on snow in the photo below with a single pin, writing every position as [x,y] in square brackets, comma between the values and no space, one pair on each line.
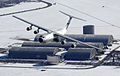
[55,35]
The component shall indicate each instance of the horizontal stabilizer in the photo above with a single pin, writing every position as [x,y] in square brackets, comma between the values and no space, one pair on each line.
[72,16]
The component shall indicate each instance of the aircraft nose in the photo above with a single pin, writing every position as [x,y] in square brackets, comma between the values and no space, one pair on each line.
[40,40]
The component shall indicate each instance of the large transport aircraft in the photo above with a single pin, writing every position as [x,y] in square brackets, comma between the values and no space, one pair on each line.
[55,35]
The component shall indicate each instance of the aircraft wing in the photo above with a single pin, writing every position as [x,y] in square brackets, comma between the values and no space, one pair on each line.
[39,27]
[48,30]
[75,40]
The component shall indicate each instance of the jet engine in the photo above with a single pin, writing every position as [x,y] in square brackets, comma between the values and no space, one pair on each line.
[36,31]
[63,42]
[73,45]
[29,28]
[57,39]
[40,40]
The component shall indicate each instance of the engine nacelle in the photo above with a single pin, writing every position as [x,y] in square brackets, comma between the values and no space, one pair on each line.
[63,42]
[36,39]
[73,45]
[36,32]
[56,39]
[40,40]
[29,28]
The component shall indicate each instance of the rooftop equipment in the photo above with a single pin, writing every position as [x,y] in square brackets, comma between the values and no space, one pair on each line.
[53,59]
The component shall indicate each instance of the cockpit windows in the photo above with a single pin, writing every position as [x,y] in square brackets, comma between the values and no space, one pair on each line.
[42,36]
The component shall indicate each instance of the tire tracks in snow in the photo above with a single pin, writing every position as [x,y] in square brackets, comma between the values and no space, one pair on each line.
[11,13]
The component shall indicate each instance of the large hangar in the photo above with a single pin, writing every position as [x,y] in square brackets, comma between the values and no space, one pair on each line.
[80,54]
[44,52]
[32,52]
[59,45]
[105,39]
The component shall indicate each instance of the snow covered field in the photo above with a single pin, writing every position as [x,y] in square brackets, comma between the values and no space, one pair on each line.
[99,71]
[103,14]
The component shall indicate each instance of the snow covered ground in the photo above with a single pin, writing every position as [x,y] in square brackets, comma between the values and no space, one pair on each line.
[99,71]
[103,14]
